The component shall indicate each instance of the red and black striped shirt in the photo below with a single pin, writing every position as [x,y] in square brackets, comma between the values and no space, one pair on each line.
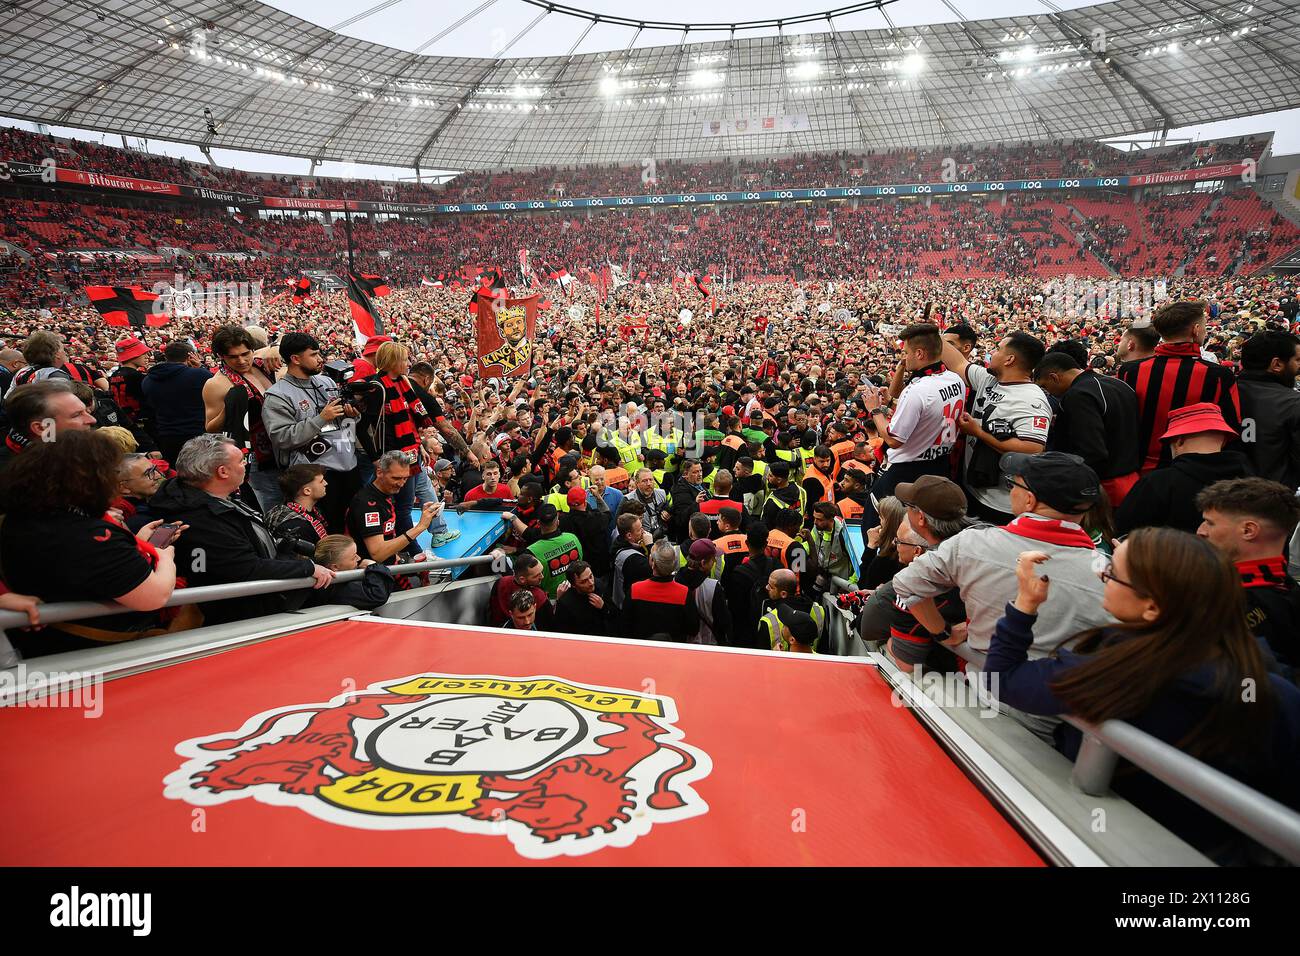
[1176,376]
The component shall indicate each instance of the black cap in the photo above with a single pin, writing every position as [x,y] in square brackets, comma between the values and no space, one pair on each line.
[802,627]
[1061,481]
[546,512]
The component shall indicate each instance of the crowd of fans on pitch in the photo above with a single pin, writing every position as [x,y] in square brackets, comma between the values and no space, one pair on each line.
[1098,509]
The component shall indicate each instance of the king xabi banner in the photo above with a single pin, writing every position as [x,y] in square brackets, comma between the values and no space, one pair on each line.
[505,329]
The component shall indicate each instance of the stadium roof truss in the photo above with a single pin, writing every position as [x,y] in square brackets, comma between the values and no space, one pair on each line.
[278,84]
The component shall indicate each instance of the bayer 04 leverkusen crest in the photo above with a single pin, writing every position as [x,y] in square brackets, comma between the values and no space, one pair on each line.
[561,769]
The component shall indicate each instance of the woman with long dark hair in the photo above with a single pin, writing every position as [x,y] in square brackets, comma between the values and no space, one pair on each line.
[59,544]
[1181,665]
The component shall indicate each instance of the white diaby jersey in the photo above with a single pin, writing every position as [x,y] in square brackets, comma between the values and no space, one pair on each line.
[1014,410]
[925,420]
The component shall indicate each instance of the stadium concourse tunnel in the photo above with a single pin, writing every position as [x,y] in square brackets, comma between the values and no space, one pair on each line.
[417,733]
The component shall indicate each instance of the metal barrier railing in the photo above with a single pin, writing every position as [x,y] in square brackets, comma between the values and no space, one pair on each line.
[1260,817]
[77,610]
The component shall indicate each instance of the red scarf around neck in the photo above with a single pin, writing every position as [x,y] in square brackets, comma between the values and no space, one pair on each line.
[313,517]
[1066,534]
[1179,348]
[1263,573]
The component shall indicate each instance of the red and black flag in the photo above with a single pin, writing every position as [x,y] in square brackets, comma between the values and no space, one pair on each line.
[562,278]
[701,283]
[371,285]
[301,290]
[366,320]
[127,305]
[488,284]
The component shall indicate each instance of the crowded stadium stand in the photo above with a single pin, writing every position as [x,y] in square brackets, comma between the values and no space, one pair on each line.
[916,413]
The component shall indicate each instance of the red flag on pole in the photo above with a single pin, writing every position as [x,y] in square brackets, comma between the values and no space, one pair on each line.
[366,320]
[505,329]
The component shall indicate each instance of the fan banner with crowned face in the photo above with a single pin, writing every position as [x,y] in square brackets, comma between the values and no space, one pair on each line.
[505,329]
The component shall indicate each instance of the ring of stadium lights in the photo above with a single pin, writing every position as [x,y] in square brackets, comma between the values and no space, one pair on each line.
[738,26]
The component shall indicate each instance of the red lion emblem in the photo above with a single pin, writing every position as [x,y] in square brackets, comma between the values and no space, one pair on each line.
[580,795]
[298,763]
[576,796]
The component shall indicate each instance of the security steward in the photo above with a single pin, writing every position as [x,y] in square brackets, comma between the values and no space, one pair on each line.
[854,494]
[818,483]
[781,494]
[783,598]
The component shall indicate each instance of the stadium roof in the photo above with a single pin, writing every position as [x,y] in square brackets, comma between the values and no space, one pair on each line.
[278,84]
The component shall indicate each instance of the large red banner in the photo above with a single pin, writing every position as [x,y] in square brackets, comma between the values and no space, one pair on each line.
[505,329]
[106,181]
[386,743]
[291,202]
[1230,171]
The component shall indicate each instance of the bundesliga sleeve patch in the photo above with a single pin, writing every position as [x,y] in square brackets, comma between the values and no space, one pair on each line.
[372,519]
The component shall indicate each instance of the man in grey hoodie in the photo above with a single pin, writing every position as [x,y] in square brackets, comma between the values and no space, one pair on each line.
[308,424]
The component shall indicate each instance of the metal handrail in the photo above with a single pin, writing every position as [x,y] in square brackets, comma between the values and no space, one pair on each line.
[77,610]
[1258,816]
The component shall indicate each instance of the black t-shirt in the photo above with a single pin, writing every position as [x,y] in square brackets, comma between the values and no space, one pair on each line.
[63,556]
[127,385]
[879,570]
[371,512]
[431,404]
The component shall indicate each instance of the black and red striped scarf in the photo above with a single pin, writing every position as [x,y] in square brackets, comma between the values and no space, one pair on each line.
[1066,534]
[405,412]
[1263,573]
[257,435]
[313,518]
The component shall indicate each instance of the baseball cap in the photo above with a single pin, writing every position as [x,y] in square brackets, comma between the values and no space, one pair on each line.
[703,548]
[576,496]
[1062,481]
[938,497]
[546,512]
[373,343]
[1196,419]
[802,627]
[442,464]
[129,348]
